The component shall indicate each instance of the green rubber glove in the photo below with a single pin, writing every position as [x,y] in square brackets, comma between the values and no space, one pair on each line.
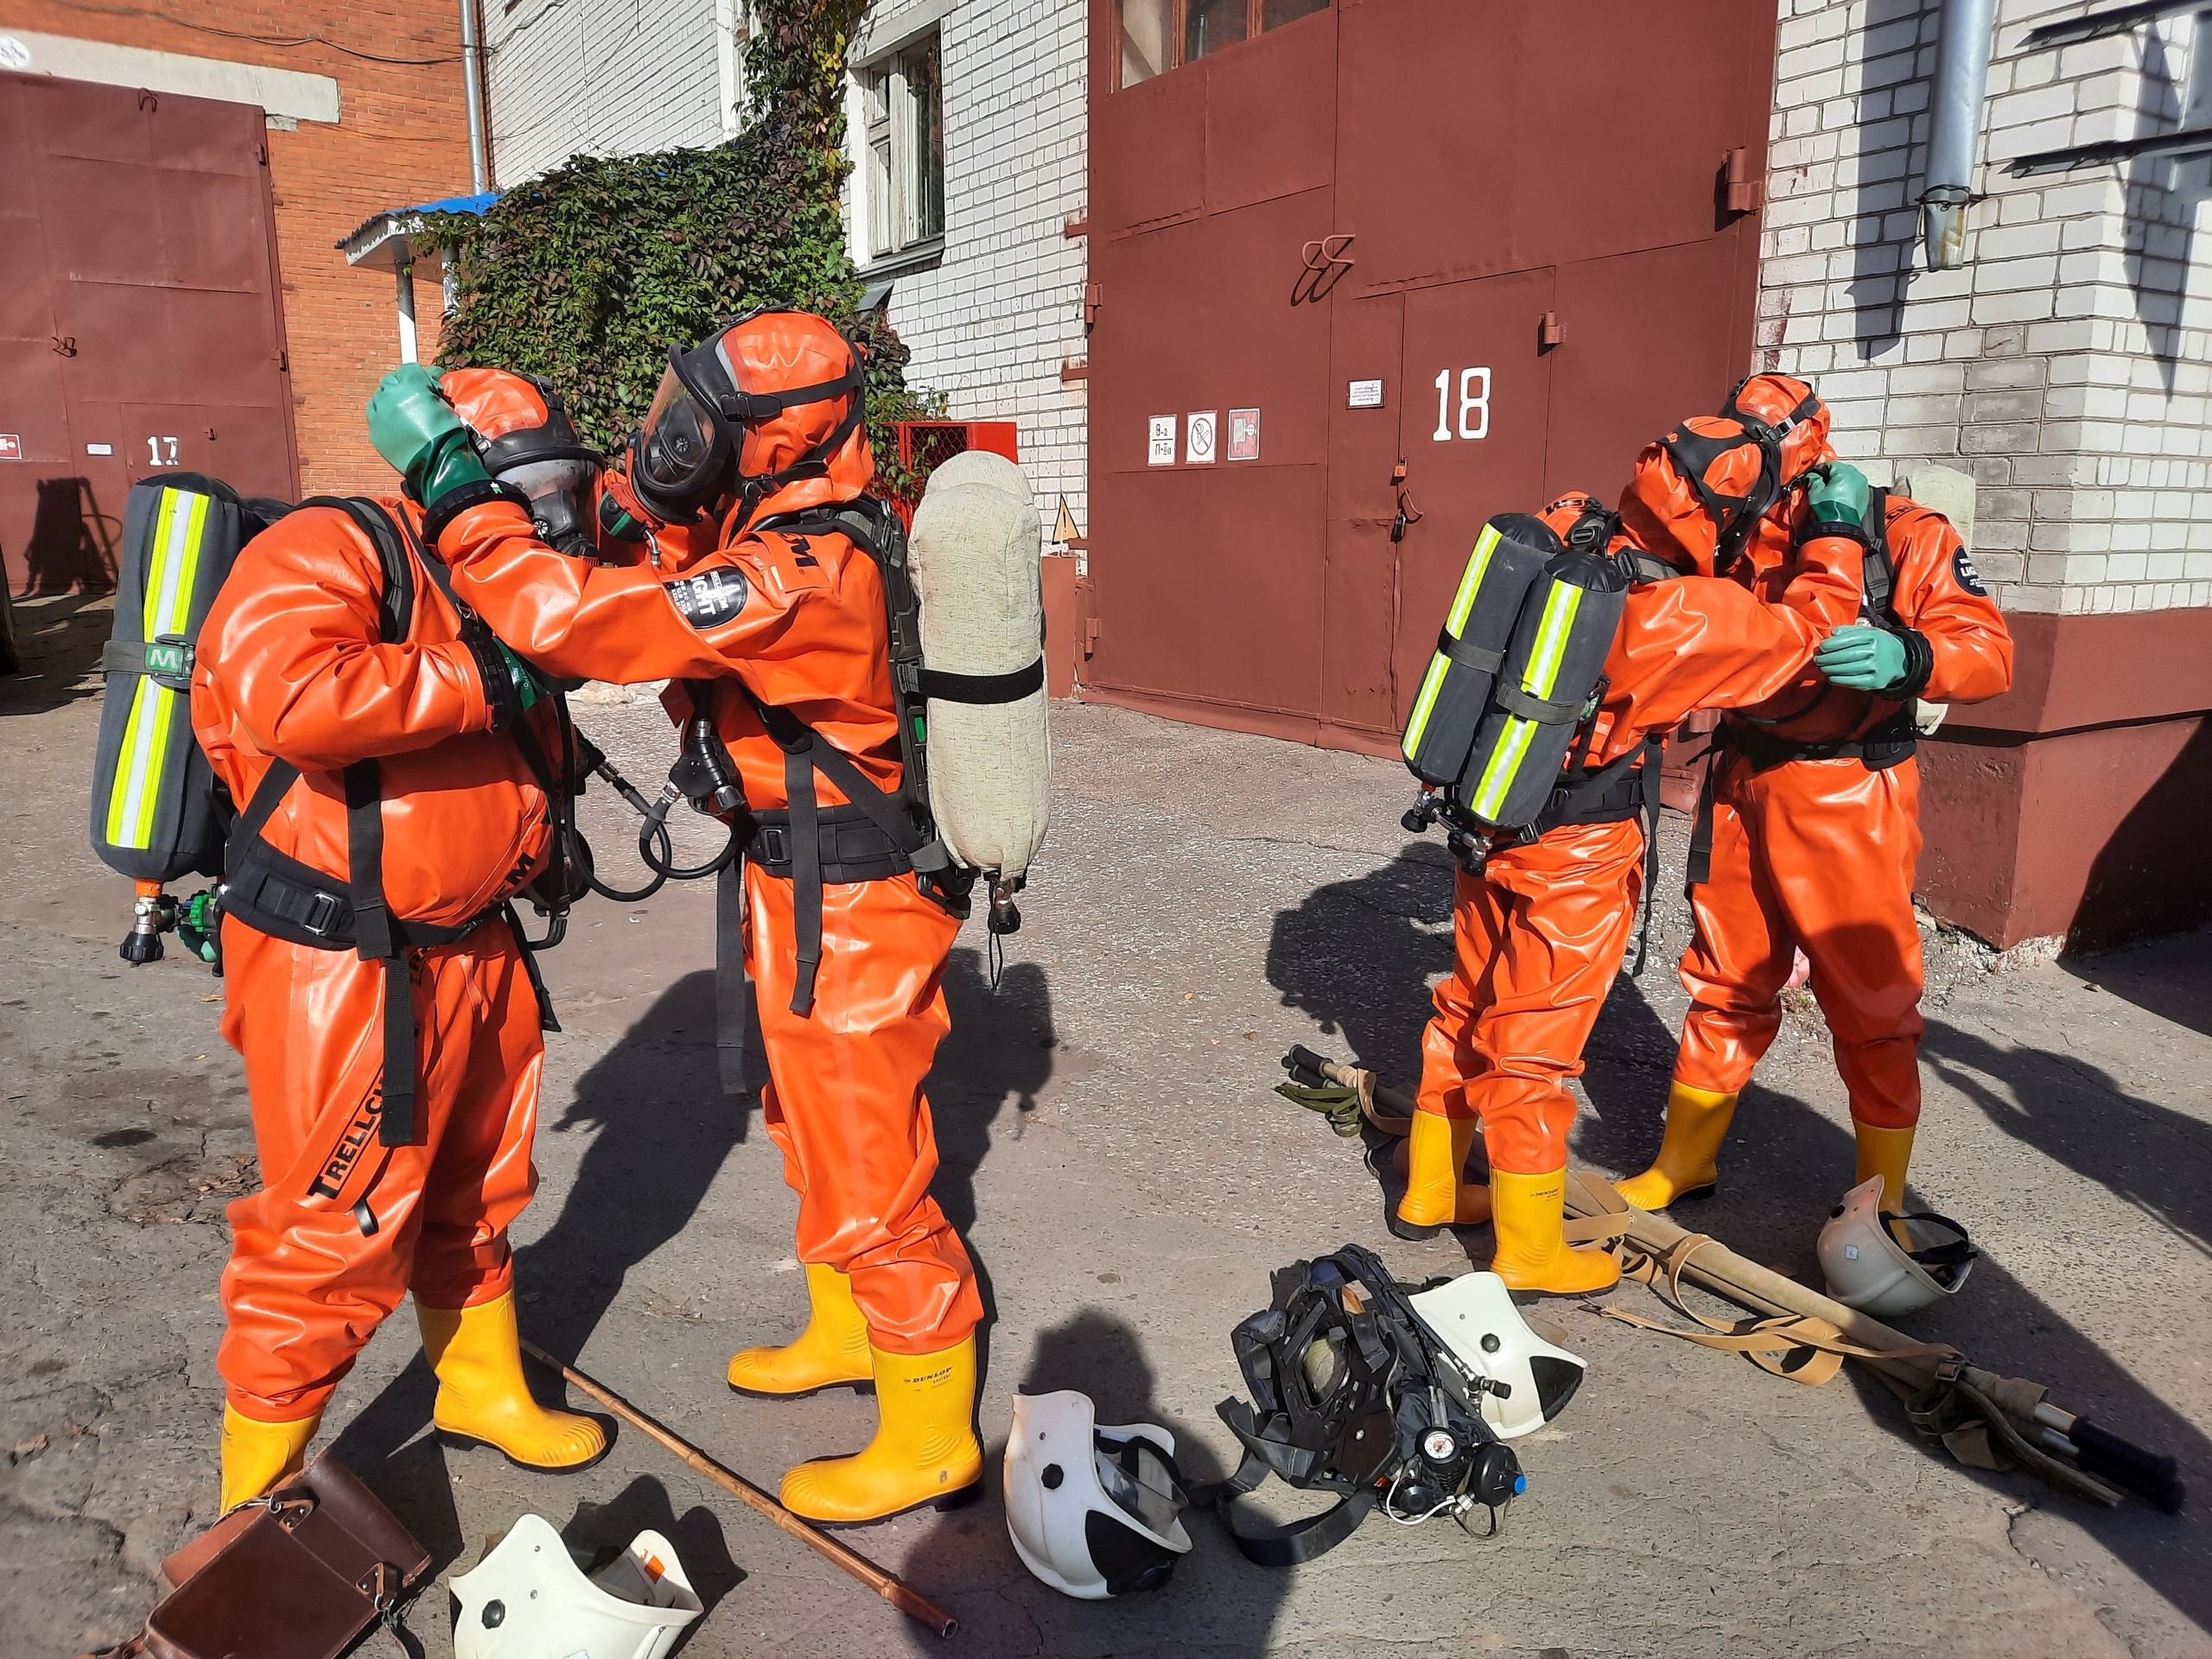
[528,687]
[1838,494]
[415,429]
[1866,659]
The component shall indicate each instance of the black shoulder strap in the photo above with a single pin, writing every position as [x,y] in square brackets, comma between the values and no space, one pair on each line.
[396,609]
[1879,574]
[1654,759]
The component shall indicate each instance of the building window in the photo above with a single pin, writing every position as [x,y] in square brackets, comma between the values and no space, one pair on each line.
[2191,179]
[902,102]
[1159,34]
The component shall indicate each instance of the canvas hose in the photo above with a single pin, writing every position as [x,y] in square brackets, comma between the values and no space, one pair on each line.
[1346,1106]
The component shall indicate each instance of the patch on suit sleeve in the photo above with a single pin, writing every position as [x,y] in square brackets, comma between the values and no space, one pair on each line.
[711,598]
[1968,576]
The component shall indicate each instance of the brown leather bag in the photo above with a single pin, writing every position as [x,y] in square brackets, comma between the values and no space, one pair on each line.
[296,1574]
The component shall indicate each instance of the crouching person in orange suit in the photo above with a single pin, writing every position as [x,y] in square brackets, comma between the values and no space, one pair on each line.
[390,763]
[1539,934]
[777,641]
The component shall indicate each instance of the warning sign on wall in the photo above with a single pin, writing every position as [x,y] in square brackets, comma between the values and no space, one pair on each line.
[1243,434]
[1365,394]
[11,447]
[1200,437]
[1160,450]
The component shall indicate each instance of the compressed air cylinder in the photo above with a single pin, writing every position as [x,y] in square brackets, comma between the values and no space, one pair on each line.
[975,545]
[155,813]
[1510,555]
[1564,631]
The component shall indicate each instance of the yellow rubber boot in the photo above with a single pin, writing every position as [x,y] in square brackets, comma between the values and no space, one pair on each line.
[1888,1153]
[1532,1252]
[1689,1151]
[831,1352]
[1438,1194]
[925,1449]
[482,1398]
[256,1455]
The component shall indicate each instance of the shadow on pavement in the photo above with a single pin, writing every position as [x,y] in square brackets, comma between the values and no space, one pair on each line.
[2074,1113]
[58,642]
[2171,977]
[1358,956]
[663,1131]
[666,1130]
[1218,1604]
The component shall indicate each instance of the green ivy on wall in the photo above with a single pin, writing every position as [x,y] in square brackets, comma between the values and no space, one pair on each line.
[588,275]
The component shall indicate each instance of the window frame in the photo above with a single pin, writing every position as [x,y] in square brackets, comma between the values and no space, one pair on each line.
[888,223]
[1179,24]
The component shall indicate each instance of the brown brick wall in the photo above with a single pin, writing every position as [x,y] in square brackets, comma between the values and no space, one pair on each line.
[402,137]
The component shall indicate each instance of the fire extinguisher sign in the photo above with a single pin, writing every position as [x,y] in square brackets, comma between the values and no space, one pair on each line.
[11,447]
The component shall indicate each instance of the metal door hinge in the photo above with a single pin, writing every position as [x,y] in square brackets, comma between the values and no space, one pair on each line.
[1090,635]
[1745,195]
[283,361]
[1550,331]
[1091,300]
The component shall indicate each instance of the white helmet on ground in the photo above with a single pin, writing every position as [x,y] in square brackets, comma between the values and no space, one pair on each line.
[527,1599]
[1867,1268]
[1475,1318]
[1094,1509]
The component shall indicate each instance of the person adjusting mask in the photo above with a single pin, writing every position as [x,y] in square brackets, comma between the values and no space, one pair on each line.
[1807,829]
[777,642]
[389,757]
[1544,913]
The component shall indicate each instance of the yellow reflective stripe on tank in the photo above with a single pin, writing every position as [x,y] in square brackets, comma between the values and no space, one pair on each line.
[1471,583]
[1551,639]
[179,523]
[1537,679]
[1425,704]
[1504,762]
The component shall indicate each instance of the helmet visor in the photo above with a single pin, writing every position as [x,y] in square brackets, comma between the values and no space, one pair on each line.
[676,451]
[563,497]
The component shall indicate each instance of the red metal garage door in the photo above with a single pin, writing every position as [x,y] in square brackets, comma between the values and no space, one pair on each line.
[1358,219]
[140,326]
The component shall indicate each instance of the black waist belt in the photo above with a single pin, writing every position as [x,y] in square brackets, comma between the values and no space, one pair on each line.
[1627,788]
[852,846]
[1879,750]
[277,894]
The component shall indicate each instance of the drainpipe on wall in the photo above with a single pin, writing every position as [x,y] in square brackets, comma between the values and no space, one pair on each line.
[408,351]
[472,65]
[1955,128]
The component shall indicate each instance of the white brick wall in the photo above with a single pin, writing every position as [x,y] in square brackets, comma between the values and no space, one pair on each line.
[2065,367]
[598,77]
[992,324]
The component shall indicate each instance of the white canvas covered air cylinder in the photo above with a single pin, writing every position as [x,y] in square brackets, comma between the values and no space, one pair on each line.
[975,549]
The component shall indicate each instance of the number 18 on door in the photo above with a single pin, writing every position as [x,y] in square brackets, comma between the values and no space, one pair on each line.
[1474,406]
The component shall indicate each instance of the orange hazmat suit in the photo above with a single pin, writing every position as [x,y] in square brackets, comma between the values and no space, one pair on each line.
[291,668]
[1817,852]
[799,621]
[1540,935]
